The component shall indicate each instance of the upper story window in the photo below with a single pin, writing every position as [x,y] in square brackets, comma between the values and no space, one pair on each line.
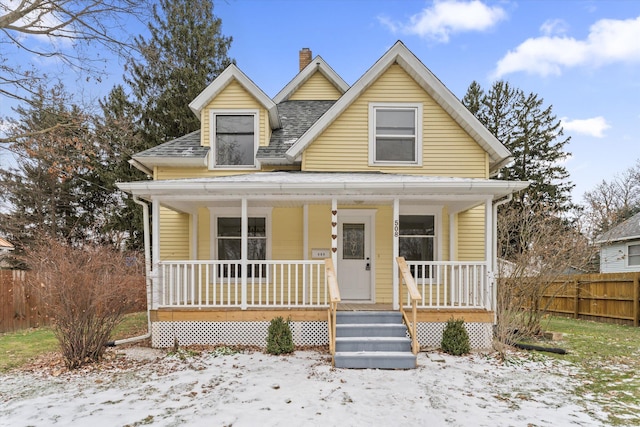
[395,134]
[235,138]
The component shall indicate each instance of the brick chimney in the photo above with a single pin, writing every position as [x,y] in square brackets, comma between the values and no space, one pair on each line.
[305,57]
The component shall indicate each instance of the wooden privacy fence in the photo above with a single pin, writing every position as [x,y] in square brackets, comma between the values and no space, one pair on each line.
[21,309]
[18,306]
[611,297]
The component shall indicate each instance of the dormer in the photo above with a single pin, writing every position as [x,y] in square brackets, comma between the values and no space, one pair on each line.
[237,118]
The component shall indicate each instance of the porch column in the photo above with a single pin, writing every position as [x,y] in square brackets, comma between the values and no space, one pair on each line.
[244,249]
[488,232]
[334,232]
[453,244]
[155,252]
[396,252]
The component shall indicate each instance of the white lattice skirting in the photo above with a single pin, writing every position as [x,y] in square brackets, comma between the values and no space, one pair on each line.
[163,334]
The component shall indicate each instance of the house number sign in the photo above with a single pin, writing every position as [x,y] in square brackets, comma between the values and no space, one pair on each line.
[396,228]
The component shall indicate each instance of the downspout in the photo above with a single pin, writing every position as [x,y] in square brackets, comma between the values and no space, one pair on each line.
[147,271]
[494,256]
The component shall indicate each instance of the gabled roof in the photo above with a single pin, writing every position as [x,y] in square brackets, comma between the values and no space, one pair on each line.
[230,74]
[627,230]
[498,153]
[317,65]
[296,117]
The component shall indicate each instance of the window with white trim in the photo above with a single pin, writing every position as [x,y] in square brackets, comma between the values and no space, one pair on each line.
[229,243]
[633,254]
[395,134]
[417,240]
[235,138]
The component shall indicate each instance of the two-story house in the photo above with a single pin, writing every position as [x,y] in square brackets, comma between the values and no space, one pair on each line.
[249,211]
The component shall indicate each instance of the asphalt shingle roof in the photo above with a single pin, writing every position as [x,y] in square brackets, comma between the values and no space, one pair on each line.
[187,146]
[296,118]
[623,231]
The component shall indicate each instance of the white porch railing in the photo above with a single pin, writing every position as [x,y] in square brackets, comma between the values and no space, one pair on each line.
[269,283]
[299,284]
[452,284]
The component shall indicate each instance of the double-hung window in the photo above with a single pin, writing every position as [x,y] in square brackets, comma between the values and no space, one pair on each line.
[229,242]
[235,138]
[395,134]
[633,255]
[417,240]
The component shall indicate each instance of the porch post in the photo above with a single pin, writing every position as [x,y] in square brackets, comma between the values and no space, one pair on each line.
[334,232]
[244,249]
[453,245]
[396,253]
[155,253]
[489,220]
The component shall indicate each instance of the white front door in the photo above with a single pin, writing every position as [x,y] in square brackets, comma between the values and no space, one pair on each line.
[354,256]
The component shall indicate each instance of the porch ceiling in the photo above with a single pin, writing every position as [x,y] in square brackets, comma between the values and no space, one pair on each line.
[298,188]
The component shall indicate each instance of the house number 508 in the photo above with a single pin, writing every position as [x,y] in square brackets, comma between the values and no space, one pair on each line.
[396,228]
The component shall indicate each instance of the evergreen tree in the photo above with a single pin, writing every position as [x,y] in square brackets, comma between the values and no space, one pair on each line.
[186,52]
[119,138]
[535,138]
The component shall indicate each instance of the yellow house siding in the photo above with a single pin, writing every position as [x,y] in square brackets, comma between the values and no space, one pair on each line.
[174,235]
[384,255]
[447,150]
[163,172]
[286,232]
[234,96]
[471,229]
[316,88]
[319,227]
[444,236]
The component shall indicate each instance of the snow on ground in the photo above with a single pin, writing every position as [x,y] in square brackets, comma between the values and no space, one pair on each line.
[256,389]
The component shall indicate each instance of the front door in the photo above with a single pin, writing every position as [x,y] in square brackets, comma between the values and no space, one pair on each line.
[354,257]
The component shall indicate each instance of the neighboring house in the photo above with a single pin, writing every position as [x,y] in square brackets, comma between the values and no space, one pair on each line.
[246,210]
[5,248]
[620,247]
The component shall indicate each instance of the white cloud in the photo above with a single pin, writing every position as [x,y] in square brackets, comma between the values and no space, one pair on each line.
[609,41]
[554,26]
[447,17]
[592,127]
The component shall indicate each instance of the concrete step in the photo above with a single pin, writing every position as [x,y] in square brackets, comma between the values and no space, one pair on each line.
[358,344]
[368,317]
[371,330]
[375,360]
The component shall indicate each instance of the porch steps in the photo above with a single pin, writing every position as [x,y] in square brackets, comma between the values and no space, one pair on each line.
[372,339]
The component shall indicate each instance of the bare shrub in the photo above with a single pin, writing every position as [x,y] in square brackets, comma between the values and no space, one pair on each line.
[537,250]
[86,291]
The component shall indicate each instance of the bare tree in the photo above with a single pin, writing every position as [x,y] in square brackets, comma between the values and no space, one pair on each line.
[610,203]
[529,279]
[75,32]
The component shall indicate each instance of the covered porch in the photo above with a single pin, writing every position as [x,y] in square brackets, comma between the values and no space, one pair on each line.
[244,249]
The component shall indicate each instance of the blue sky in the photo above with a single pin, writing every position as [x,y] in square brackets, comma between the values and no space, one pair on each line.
[581,56]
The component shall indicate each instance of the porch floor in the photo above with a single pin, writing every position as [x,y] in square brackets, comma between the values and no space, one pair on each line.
[354,306]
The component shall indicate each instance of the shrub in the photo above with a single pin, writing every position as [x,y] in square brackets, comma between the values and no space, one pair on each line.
[455,339]
[86,290]
[279,337]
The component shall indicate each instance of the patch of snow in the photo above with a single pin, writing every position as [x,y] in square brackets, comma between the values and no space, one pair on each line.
[248,389]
